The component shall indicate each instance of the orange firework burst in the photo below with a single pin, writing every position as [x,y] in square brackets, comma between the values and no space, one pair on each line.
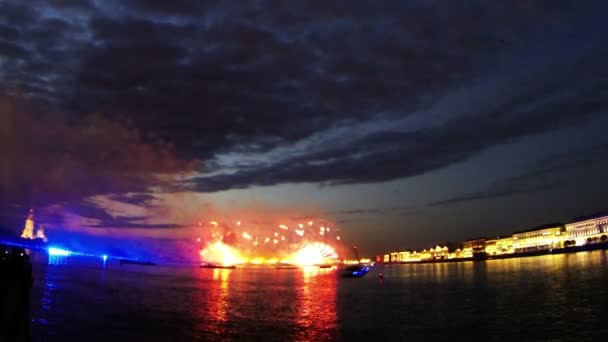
[230,243]
[222,254]
[314,253]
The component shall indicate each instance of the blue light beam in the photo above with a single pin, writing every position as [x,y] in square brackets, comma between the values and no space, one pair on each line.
[54,251]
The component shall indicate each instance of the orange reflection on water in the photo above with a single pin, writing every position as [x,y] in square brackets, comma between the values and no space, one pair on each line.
[213,308]
[298,304]
[317,316]
[221,302]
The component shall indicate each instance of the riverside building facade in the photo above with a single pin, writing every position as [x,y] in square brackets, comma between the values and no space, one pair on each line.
[546,237]
[586,232]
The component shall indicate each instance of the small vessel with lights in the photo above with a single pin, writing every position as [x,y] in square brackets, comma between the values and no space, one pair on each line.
[208,265]
[355,271]
[136,262]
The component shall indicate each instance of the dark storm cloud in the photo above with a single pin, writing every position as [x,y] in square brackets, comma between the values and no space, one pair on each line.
[53,160]
[180,7]
[72,4]
[129,222]
[547,174]
[376,211]
[253,77]
[391,155]
[16,13]
[135,199]
[8,32]
[88,209]
[96,216]
[12,50]
[509,188]
[360,212]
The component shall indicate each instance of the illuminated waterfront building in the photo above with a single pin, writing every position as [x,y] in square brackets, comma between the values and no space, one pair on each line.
[404,256]
[407,256]
[499,246]
[435,253]
[456,254]
[587,231]
[395,257]
[540,238]
[505,245]
[414,256]
[439,252]
[40,233]
[491,247]
[471,247]
[425,255]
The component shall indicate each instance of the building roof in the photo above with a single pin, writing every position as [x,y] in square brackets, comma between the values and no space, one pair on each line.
[477,239]
[541,227]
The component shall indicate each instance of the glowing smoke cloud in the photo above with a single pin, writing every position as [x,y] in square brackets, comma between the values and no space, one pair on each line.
[222,254]
[314,253]
[248,242]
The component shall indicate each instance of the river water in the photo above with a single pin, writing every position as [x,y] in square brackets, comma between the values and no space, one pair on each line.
[547,298]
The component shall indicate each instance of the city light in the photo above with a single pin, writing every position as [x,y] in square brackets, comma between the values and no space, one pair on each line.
[53,251]
[542,239]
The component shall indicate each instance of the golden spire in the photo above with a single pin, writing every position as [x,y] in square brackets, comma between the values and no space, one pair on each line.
[28,231]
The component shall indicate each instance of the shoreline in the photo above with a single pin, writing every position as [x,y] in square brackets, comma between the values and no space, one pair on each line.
[563,250]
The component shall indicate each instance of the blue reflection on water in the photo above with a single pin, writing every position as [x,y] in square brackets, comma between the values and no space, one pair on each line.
[57,260]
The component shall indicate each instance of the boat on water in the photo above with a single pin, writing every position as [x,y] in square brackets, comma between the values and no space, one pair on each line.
[231,267]
[355,271]
[135,262]
[281,266]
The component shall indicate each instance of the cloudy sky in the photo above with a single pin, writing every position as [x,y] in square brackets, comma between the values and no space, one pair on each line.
[405,123]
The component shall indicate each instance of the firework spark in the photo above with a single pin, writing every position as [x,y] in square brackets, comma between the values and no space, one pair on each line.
[221,254]
[228,244]
[315,253]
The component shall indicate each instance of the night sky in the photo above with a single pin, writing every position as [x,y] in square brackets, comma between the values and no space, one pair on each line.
[406,123]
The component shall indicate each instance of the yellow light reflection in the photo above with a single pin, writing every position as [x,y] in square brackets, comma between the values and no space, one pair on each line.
[317,304]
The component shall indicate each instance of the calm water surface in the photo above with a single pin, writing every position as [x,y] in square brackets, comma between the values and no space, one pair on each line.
[555,297]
